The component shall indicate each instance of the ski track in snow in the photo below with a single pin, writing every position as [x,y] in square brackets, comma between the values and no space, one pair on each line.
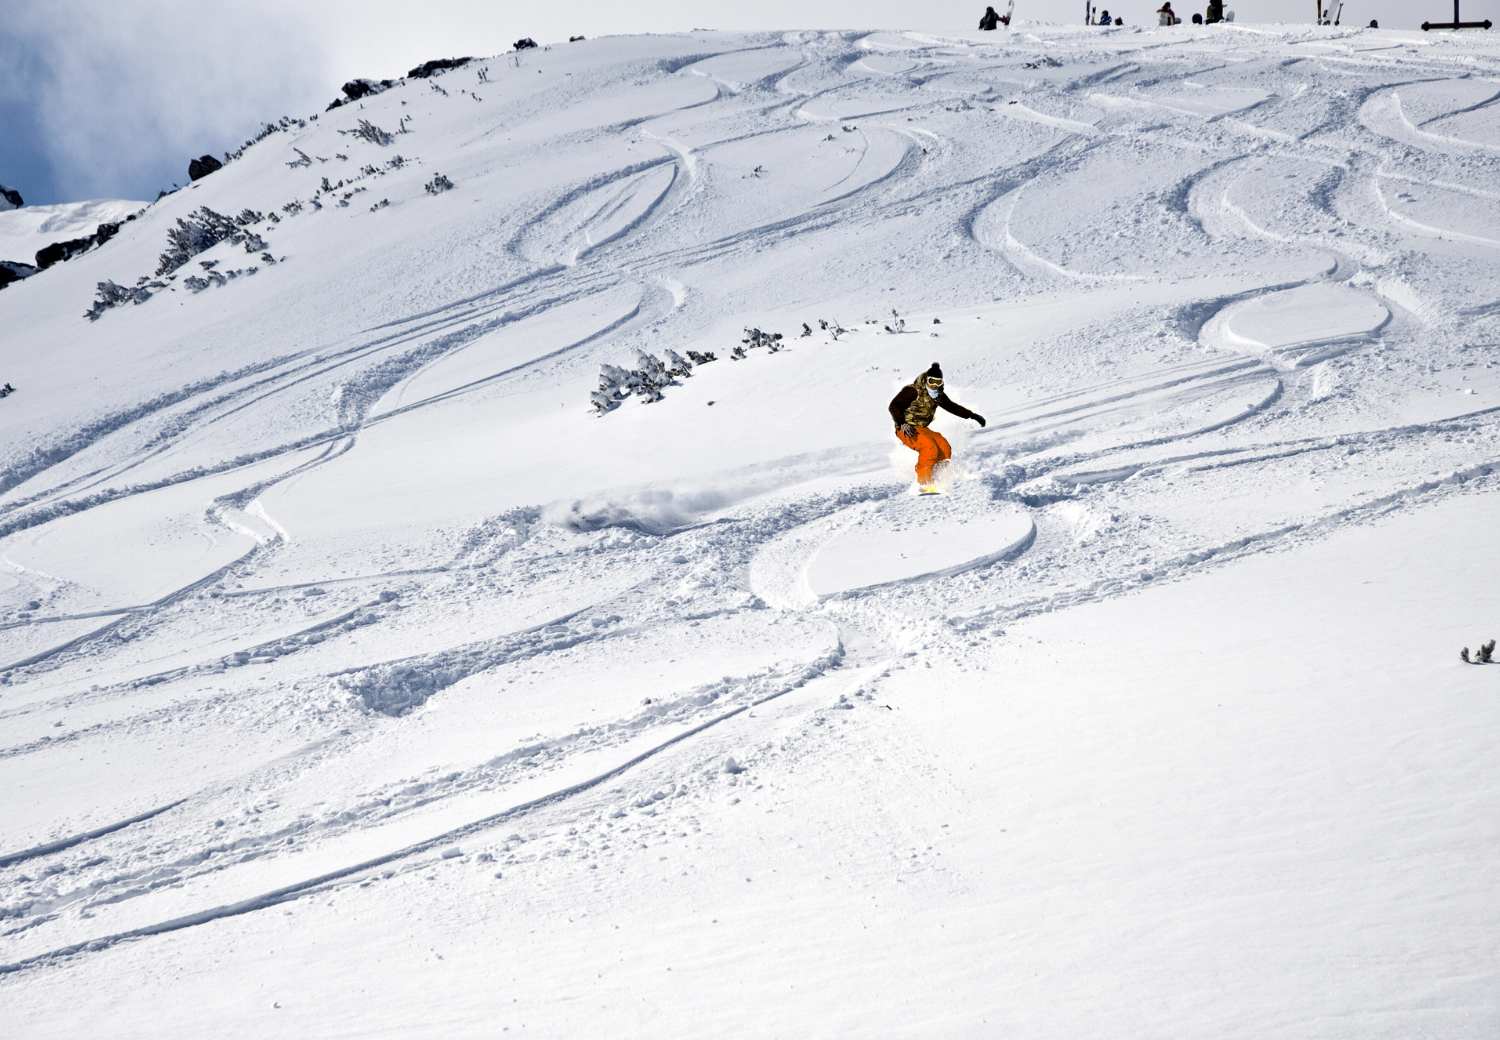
[934,152]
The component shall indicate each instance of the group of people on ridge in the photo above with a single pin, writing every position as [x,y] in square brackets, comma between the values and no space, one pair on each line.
[1216,13]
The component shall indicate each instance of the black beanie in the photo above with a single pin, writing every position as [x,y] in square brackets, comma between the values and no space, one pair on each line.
[934,371]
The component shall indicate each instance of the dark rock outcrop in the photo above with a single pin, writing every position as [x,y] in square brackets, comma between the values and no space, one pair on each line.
[360,88]
[525,43]
[436,65]
[202,166]
[14,271]
[59,252]
[12,196]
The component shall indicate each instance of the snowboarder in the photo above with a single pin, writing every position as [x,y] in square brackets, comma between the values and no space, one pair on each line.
[990,21]
[1105,19]
[1165,15]
[913,410]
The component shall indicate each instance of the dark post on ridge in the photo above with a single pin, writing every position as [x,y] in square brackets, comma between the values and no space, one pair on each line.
[1457,23]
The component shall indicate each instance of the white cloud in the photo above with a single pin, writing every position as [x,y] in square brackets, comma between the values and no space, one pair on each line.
[127,87]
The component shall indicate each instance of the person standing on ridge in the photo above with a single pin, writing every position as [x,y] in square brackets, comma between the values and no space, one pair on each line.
[913,410]
[990,20]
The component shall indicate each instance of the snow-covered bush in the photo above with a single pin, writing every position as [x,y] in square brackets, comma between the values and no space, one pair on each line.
[368,131]
[1485,654]
[438,185]
[198,232]
[754,338]
[111,294]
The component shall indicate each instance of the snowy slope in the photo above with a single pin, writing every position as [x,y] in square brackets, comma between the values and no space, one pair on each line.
[355,677]
[24,231]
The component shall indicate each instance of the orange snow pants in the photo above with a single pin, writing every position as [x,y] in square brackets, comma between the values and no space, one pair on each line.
[931,448]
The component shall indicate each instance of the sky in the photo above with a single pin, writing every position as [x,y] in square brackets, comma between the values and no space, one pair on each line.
[111,99]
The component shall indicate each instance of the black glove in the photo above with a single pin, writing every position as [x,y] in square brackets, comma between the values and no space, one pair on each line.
[979,418]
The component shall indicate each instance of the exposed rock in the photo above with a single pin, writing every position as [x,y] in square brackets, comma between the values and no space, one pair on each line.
[428,68]
[525,43]
[14,271]
[202,166]
[58,252]
[10,198]
[360,88]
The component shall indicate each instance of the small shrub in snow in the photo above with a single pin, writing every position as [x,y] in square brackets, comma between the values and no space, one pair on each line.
[214,279]
[650,377]
[438,185]
[647,381]
[196,233]
[110,294]
[368,131]
[303,159]
[1485,654]
[755,338]
[897,325]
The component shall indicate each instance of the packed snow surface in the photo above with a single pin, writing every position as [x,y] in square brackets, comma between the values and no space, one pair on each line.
[356,678]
